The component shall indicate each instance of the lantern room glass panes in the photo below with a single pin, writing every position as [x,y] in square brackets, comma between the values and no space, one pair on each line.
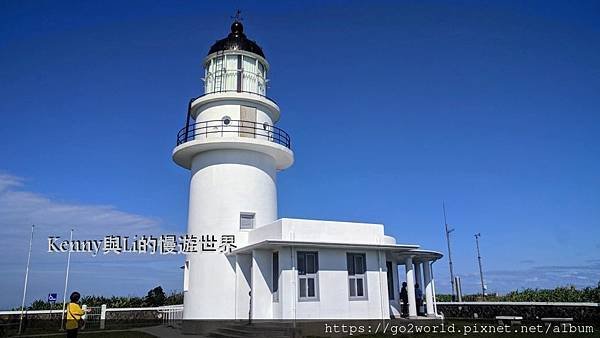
[231,71]
[235,72]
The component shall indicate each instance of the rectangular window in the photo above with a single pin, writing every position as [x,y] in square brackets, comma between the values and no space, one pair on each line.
[357,268]
[231,72]
[247,220]
[219,73]
[249,74]
[308,267]
[275,276]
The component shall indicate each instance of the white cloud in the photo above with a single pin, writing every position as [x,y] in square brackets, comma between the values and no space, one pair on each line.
[107,275]
[7,181]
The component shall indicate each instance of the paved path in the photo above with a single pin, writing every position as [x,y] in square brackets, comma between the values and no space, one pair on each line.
[166,331]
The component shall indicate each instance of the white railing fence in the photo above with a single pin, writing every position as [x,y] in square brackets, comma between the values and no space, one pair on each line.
[169,314]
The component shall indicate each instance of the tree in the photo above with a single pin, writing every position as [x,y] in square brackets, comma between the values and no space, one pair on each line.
[155,297]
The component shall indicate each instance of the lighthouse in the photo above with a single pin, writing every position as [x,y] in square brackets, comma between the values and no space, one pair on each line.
[253,264]
[233,150]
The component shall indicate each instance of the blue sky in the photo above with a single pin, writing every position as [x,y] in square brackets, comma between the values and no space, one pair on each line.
[392,107]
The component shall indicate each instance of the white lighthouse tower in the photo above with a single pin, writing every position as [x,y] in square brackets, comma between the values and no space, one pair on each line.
[233,150]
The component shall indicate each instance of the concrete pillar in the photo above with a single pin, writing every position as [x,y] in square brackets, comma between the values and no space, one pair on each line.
[243,266]
[102,316]
[383,286]
[288,291]
[418,275]
[261,300]
[410,281]
[428,281]
[435,311]
[419,280]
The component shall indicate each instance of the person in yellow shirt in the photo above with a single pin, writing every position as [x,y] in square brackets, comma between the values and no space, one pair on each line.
[74,315]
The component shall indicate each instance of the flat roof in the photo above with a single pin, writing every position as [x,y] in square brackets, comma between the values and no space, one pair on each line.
[400,250]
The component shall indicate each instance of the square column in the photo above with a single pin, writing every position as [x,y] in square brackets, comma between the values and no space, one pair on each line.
[428,289]
[410,281]
[261,298]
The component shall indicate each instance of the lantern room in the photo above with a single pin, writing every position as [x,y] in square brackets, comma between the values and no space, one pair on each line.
[236,64]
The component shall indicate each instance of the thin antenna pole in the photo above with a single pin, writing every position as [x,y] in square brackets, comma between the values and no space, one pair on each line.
[448,231]
[477,235]
[238,16]
[62,320]
[26,278]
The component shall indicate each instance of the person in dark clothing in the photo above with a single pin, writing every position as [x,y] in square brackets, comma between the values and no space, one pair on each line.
[404,299]
[418,299]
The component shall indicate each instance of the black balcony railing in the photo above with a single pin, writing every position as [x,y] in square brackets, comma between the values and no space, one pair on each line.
[226,127]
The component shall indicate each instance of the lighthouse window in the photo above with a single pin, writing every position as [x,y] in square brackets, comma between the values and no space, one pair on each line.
[219,71]
[261,70]
[249,80]
[261,78]
[308,267]
[246,220]
[357,268]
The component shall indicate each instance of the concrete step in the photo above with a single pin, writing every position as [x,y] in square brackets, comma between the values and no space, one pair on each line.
[254,332]
[270,330]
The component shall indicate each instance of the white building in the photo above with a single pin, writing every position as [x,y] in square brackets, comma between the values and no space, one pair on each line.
[280,268]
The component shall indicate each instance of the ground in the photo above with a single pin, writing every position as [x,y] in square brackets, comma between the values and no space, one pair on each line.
[102,334]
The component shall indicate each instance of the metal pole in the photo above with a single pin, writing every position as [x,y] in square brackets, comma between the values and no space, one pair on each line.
[62,319]
[448,231]
[187,121]
[477,235]
[26,277]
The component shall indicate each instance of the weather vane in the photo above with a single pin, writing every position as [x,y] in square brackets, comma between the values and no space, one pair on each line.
[238,16]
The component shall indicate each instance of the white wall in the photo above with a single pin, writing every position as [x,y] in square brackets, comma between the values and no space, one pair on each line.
[333,294]
[223,184]
[320,231]
[231,107]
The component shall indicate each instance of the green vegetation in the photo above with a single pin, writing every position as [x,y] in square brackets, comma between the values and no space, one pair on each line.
[155,297]
[559,294]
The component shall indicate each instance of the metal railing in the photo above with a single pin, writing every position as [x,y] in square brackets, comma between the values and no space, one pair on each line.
[171,314]
[240,128]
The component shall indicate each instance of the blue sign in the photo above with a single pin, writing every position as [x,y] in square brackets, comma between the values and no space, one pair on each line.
[52,298]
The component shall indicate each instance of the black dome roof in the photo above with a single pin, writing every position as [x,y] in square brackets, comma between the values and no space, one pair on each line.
[236,40]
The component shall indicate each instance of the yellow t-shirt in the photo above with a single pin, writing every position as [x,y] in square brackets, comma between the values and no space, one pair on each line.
[74,313]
